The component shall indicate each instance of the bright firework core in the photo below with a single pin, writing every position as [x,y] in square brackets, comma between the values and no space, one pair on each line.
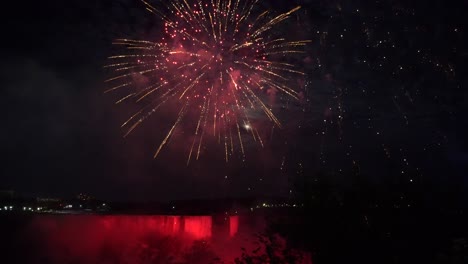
[215,63]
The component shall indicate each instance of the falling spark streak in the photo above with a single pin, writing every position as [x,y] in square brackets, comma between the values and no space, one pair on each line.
[124,98]
[131,118]
[203,133]
[190,153]
[117,87]
[203,113]
[217,57]
[259,138]
[225,143]
[181,114]
[240,139]
[129,74]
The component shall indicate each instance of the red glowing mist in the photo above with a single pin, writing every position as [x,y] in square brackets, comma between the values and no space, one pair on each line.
[233,225]
[141,239]
[199,227]
[86,238]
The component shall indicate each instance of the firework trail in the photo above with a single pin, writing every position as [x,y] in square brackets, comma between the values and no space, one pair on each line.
[215,62]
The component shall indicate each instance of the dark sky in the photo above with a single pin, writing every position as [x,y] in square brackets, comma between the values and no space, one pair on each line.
[386,93]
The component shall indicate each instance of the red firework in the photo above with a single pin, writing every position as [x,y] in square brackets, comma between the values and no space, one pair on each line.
[215,61]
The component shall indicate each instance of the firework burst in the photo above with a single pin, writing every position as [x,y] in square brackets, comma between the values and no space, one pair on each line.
[215,63]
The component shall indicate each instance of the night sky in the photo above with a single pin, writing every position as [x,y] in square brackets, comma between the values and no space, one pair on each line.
[385,105]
